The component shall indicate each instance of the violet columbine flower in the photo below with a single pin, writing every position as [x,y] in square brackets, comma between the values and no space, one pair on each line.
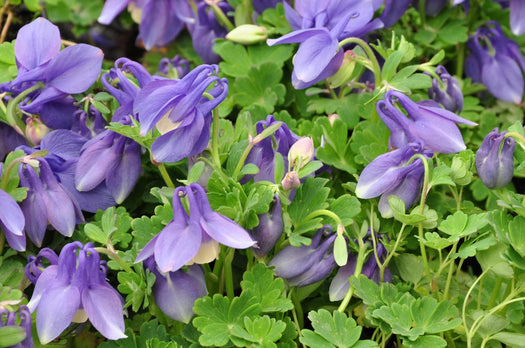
[389,175]
[12,221]
[180,112]
[10,139]
[260,5]
[446,91]
[63,148]
[61,73]
[269,229]
[263,153]
[76,288]
[176,292]
[8,318]
[306,264]
[193,238]
[160,21]
[393,11]
[434,126]
[497,62]
[318,27]
[47,201]
[88,124]
[494,161]
[111,158]
[517,13]
[205,29]
[340,284]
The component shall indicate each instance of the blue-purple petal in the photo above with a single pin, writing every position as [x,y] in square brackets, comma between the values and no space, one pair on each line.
[103,306]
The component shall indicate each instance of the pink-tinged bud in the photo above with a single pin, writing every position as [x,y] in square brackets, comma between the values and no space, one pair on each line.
[291,181]
[301,152]
[35,130]
[332,118]
[247,34]
[345,72]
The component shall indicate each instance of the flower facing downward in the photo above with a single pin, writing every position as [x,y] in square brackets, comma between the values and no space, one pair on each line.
[447,92]
[194,237]
[494,161]
[76,288]
[391,175]
[8,318]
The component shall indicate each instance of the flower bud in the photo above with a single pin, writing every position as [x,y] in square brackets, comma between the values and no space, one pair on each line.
[291,181]
[344,74]
[301,152]
[247,34]
[35,130]
[494,162]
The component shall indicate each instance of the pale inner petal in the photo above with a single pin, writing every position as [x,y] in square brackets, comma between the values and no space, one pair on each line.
[208,252]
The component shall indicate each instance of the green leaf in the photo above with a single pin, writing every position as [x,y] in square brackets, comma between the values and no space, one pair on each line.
[511,339]
[391,64]
[333,330]
[398,209]
[261,331]
[336,149]
[261,282]
[94,233]
[345,207]
[441,175]
[435,241]
[515,234]
[217,317]
[459,225]
[426,342]
[433,316]
[410,267]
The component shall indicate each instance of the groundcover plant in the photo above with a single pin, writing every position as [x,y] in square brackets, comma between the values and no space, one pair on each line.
[207,173]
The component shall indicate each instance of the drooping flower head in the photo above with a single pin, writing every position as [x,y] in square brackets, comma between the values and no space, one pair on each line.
[176,292]
[319,27]
[434,126]
[306,264]
[390,175]
[61,73]
[36,264]
[179,110]
[494,159]
[194,237]
[73,289]
[497,62]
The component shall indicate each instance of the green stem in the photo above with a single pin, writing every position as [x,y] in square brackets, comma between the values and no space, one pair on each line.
[114,256]
[215,138]
[221,17]
[164,173]
[228,274]
[13,121]
[422,12]
[424,193]
[324,212]
[495,292]
[518,137]
[297,311]
[391,254]
[361,256]
[376,68]
[464,307]
[450,272]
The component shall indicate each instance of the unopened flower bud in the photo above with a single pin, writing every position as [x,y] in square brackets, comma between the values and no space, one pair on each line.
[344,74]
[35,130]
[332,118]
[301,152]
[494,162]
[291,181]
[447,92]
[247,34]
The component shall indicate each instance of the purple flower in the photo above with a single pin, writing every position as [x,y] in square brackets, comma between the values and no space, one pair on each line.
[175,68]
[393,11]
[517,15]
[497,62]
[111,158]
[193,238]
[10,139]
[176,292]
[494,161]
[39,59]
[12,221]
[205,29]
[180,112]
[306,264]
[446,91]
[8,318]
[260,5]
[434,126]
[318,27]
[47,201]
[76,288]
[88,124]
[269,229]
[160,21]
[389,175]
